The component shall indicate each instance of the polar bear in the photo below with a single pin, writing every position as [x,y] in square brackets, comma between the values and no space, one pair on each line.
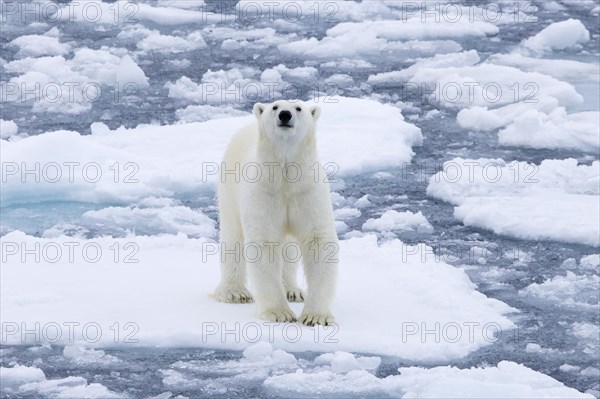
[274,203]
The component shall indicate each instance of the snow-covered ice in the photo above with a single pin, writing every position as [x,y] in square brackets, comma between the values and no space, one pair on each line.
[186,169]
[558,36]
[536,202]
[406,280]
[37,45]
[393,220]
[8,129]
[45,81]
[506,380]
[31,381]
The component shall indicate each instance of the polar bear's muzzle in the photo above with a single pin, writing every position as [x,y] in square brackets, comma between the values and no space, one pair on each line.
[284,119]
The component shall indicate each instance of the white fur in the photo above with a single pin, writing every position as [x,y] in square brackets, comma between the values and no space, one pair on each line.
[268,211]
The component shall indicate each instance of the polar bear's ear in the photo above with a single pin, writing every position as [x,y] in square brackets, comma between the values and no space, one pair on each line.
[315,112]
[258,109]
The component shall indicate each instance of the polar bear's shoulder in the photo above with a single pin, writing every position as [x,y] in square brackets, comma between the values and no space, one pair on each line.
[243,140]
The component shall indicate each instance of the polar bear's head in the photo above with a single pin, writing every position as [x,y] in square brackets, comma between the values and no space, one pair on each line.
[287,121]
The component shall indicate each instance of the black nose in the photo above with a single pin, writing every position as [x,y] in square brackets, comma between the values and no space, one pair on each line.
[285,116]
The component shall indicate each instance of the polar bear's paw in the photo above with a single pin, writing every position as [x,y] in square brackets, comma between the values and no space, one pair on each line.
[295,295]
[313,318]
[233,295]
[283,315]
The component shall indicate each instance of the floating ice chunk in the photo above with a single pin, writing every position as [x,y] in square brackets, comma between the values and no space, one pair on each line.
[171,44]
[523,217]
[555,130]
[168,219]
[88,356]
[462,59]
[157,202]
[536,202]
[346,213]
[340,227]
[347,65]
[167,394]
[31,381]
[343,362]
[483,119]
[202,113]
[568,368]
[250,39]
[417,29]
[350,10]
[382,175]
[37,45]
[431,114]
[542,124]
[491,85]
[570,290]
[233,45]
[71,86]
[305,75]
[337,10]
[340,80]
[134,33]
[591,372]
[590,262]
[369,39]
[175,15]
[388,145]
[223,32]
[216,87]
[183,4]
[589,336]
[415,278]
[258,351]
[8,129]
[128,72]
[569,70]
[552,6]
[337,200]
[393,220]
[69,387]
[507,380]
[262,351]
[569,263]
[558,36]
[12,378]
[536,348]
[364,44]
[123,12]
[363,202]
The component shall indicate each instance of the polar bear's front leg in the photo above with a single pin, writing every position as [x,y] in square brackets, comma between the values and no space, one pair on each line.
[266,279]
[290,282]
[320,257]
[232,288]
[290,257]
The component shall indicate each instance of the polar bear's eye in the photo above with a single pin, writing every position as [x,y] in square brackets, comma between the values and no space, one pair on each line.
[275,108]
[298,109]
